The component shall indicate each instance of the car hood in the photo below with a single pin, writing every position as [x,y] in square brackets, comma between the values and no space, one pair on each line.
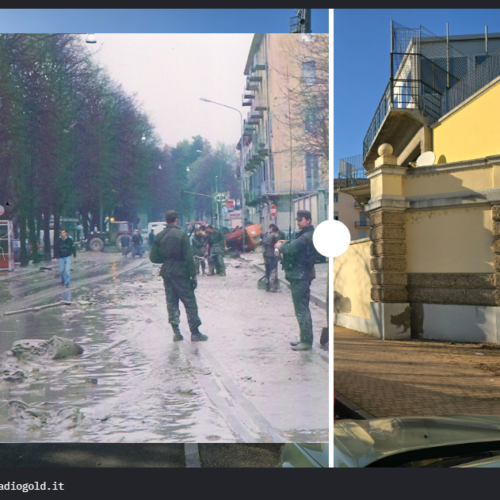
[359,443]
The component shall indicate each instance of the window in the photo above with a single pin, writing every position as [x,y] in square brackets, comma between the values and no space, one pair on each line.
[312,171]
[336,215]
[271,167]
[311,120]
[308,73]
[335,197]
[270,124]
[363,234]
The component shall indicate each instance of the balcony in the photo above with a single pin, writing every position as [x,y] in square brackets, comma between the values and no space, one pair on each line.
[251,85]
[362,223]
[259,63]
[352,172]
[297,186]
[423,69]
[260,103]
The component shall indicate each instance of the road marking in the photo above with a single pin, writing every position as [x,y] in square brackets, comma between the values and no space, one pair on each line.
[192,455]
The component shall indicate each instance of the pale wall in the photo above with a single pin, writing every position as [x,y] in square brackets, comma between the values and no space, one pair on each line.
[352,280]
[448,182]
[470,133]
[349,214]
[450,241]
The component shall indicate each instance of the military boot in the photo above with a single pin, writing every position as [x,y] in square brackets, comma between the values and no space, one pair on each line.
[177,333]
[197,336]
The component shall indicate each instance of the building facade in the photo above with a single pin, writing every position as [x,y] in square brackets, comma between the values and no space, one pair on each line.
[282,162]
[431,268]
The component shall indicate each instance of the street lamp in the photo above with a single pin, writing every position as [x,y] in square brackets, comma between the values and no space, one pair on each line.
[241,170]
[91,38]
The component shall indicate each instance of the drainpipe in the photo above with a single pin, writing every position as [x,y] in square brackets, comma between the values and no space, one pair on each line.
[486,39]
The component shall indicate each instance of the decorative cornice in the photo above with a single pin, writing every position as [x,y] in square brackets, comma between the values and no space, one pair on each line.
[456,199]
[457,166]
[387,202]
[386,170]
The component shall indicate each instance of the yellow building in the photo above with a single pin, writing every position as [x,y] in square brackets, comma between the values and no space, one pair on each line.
[432,266]
[282,162]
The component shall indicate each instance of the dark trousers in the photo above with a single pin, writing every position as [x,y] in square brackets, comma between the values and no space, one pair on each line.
[271,264]
[301,294]
[180,288]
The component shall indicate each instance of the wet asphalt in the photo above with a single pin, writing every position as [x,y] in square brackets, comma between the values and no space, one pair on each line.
[134,385]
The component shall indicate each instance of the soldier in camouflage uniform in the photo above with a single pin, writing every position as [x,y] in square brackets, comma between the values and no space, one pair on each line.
[216,244]
[299,256]
[179,276]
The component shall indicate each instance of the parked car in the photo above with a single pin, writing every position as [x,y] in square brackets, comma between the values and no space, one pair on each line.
[446,441]
[303,455]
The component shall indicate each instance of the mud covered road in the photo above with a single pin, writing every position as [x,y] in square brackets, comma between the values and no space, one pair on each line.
[133,383]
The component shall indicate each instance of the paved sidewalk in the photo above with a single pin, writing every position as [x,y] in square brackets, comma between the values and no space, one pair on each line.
[416,378]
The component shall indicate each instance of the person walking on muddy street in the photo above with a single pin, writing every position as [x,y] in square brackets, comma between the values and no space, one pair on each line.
[299,256]
[171,246]
[125,239]
[199,244]
[270,260]
[216,244]
[136,244]
[66,250]
[151,238]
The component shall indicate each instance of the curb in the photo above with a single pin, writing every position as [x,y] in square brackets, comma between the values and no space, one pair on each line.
[192,455]
[350,408]
[314,300]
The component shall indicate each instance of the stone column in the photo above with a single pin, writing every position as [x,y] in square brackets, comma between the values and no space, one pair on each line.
[495,215]
[390,310]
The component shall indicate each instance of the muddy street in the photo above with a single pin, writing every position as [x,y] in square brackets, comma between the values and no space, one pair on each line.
[132,383]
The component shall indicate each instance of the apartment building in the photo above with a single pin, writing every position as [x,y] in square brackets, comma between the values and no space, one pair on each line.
[348,211]
[282,160]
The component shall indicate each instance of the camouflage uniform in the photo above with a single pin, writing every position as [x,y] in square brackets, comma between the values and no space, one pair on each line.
[298,263]
[216,241]
[271,261]
[176,271]
[199,244]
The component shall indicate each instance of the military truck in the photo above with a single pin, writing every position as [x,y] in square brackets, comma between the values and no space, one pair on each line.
[115,230]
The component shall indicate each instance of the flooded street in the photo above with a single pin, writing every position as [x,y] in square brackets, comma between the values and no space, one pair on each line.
[133,383]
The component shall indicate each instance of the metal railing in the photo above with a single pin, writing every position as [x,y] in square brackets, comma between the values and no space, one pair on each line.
[351,172]
[423,68]
[297,186]
[478,78]
[362,223]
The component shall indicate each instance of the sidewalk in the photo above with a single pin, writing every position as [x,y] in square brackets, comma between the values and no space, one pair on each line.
[416,378]
[318,285]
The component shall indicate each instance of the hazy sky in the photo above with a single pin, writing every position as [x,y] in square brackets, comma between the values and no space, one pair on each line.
[170,72]
[203,55]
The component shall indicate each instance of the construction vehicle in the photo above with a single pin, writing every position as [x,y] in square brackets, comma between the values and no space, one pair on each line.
[253,238]
[113,234]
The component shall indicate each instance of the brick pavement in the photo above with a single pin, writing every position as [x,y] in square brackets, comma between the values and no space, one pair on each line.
[416,378]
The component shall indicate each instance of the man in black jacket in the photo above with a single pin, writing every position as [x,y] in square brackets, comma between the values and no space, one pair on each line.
[66,250]
[179,276]
[299,256]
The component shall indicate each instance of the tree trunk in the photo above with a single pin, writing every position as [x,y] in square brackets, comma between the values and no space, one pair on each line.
[22,236]
[46,234]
